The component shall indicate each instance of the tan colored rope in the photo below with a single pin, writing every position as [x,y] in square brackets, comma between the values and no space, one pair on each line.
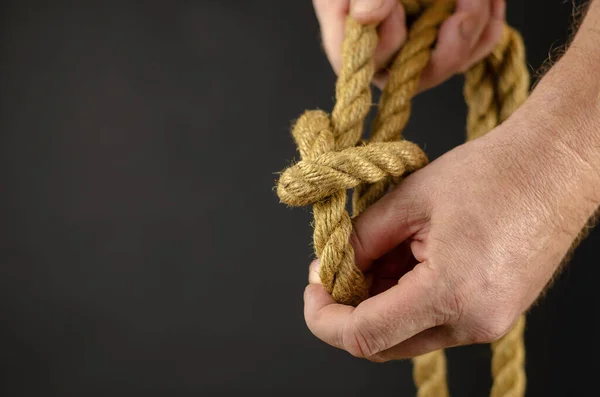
[395,102]
[334,159]
[319,177]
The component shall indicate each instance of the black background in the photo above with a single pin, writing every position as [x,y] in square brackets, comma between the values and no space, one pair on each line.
[144,251]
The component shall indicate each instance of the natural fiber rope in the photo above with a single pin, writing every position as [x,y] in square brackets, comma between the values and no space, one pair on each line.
[334,159]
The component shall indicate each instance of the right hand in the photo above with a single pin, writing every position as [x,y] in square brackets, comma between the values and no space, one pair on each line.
[464,246]
[468,36]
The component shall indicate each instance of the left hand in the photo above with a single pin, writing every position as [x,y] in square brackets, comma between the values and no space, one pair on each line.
[465,38]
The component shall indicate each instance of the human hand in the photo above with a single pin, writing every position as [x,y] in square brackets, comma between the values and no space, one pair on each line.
[487,225]
[465,38]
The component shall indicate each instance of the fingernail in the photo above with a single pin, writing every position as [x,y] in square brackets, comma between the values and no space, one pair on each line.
[361,7]
[467,28]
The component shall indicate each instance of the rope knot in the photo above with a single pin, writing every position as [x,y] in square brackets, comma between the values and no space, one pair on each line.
[324,171]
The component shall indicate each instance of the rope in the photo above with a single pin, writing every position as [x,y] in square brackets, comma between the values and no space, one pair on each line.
[334,159]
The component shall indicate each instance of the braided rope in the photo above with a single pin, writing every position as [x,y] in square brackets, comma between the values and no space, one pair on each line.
[332,161]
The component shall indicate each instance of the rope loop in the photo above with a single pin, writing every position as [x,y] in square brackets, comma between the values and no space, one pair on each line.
[324,171]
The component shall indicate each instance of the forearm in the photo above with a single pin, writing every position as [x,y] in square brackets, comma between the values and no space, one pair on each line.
[556,133]
[569,94]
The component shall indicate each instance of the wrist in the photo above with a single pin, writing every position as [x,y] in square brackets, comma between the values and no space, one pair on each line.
[564,118]
[555,139]
[567,102]
[557,136]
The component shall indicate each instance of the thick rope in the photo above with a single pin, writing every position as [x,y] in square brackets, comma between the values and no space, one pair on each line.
[395,102]
[429,371]
[319,177]
[333,159]
[332,224]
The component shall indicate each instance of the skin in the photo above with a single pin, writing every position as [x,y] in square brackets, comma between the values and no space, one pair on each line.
[464,39]
[464,246]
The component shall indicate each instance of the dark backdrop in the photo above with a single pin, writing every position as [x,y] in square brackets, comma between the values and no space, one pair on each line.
[144,251]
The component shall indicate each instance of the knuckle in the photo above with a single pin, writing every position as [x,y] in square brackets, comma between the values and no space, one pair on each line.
[490,328]
[376,13]
[455,302]
[485,46]
[361,339]
[492,311]
[446,302]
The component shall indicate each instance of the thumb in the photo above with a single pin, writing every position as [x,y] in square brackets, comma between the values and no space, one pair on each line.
[393,219]
[371,11]
[415,304]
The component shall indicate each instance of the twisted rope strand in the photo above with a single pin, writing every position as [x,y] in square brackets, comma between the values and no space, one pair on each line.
[429,370]
[415,7]
[405,73]
[395,103]
[332,225]
[319,177]
[508,63]
[508,361]
[429,374]
[480,94]
[353,86]
[339,274]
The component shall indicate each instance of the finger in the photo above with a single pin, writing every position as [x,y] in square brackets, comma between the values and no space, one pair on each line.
[313,272]
[480,13]
[491,35]
[457,38]
[452,50]
[331,15]
[371,12]
[394,218]
[392,36]
[385,275]
[414,304]
[381,281]
[324,317]
[379,322]
[430,340]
